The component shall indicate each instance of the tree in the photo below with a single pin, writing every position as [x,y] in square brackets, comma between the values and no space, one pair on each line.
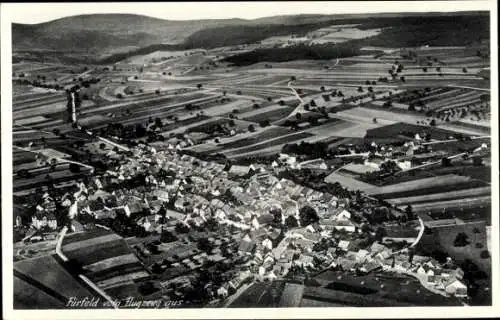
[380,233]
[102,146]
[484,254]
[293,78]
[461,240]
[291,222]
[409,212]
[158,123]
[360,89]
[281,103]
[477,161]
[167,236]
[424,69]
[147,288]
[74,168]
[402,78]
[411,107]
[438,69]
[251,128]
[313,103]
[322,88]
[464,69]
[298,115]
[181,228]
[204,245]
[199,86]
[308,216]
[157,91]
[433,122]
[119,96]
[264,123]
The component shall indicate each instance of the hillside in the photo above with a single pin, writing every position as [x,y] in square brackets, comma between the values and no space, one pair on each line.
[100,32]
[398,32]
[108,38]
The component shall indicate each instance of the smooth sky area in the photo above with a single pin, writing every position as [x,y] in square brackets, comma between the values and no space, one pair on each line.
[41,12]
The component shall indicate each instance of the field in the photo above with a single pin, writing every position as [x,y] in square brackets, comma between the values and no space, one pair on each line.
[47,271]
[457,194]
[105,258]
[260,295]
[411,186]
[445,237]
[367,290]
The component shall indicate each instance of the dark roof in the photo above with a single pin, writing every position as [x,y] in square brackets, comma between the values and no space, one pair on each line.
[246,246]
[265,218]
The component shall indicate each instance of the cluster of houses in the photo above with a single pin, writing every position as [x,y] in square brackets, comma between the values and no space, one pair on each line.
[248,200]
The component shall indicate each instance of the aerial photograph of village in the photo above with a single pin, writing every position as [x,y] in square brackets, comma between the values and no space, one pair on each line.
[305,160]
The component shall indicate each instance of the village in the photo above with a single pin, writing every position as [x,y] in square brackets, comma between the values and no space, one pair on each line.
[179,214]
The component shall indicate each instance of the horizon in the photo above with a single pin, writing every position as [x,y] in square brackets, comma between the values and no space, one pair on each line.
[40,13]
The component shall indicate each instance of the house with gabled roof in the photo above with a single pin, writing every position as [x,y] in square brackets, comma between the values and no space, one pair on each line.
[456,287]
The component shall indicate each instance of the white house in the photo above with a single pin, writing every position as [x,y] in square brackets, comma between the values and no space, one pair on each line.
[456,288]
[343,215]
[345,225]
[43,219]
[222,292]
[267,243]
[343,244]
[255,223]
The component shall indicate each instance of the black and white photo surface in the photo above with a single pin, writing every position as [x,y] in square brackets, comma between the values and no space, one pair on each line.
[170,157]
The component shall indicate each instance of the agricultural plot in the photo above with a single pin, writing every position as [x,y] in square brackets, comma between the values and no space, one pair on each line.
[348,182]
[292,295]
[279,141]
[98,252]
[265,134]
[453,205]
[218,110]
[401,289]
[155,57]
[340,128]
[425,186]
[404,129]
[47,271]
[271,113]
[458,194]
[386,117]
[445,236]
[464,129]
[28,296]
[260,295]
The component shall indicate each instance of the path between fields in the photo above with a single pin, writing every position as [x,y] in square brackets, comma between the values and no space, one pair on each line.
[420,233]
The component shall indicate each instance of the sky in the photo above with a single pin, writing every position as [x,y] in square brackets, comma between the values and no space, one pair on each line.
[41,12]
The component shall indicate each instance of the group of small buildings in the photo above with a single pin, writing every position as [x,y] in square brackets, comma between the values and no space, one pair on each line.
[251,202]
